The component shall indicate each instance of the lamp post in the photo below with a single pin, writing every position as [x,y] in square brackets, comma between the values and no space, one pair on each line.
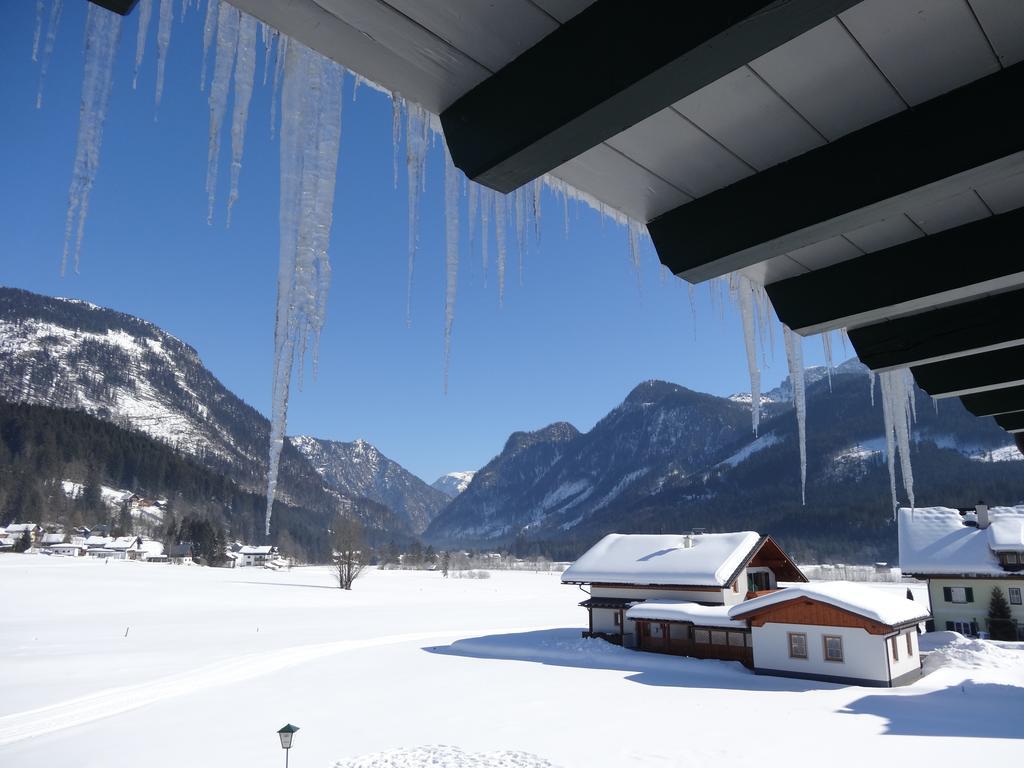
[286,734]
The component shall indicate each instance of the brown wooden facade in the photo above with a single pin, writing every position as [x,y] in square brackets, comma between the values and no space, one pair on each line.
[685,639]
[803,610]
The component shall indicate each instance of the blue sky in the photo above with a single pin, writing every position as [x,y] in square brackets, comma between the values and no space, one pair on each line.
[569,343]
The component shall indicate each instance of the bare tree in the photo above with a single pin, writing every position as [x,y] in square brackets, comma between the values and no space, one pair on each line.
[348,546]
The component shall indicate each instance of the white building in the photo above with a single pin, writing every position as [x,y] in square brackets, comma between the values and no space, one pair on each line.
[964,555]
[68,550]
[717,596]
[256,556]
[835,631]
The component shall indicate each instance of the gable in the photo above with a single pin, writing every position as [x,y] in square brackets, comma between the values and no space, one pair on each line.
[803,610]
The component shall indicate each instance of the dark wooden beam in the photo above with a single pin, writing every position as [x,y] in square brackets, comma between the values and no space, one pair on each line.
[123,7]
[995,401]
[955,141]
[954,265]
[1011,422]
[611,66]
[983,324]
[1019,439]
[974,373]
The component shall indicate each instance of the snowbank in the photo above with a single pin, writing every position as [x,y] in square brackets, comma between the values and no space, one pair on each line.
[448,757]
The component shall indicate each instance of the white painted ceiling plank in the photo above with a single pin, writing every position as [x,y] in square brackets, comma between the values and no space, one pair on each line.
[1004,195]
[563,10]
[746,116]
[949,212]
[825,75]
[825,253]
[1003,22]
[924,47]
[884,234]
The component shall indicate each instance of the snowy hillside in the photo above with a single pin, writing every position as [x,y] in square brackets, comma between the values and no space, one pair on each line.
[359,469]
[454,483]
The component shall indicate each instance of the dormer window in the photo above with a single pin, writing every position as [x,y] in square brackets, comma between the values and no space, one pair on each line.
[1011,561]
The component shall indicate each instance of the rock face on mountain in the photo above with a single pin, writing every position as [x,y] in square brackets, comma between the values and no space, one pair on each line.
[454,483]
[671,459]
[359,469]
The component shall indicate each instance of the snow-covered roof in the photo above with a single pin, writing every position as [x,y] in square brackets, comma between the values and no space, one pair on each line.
[53,538]
[98,541]
[935,540]
[677,610]
[151,548]
[870,602]
[123,543]
[264,550]
[21,527]
[710,560]
[67,546]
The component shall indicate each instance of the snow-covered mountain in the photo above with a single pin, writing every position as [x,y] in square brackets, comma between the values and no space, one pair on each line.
[454,483]
[359,469]
[671,459]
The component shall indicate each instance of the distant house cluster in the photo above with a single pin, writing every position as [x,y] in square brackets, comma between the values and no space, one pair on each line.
[32,538]
[718,596]
[965,555]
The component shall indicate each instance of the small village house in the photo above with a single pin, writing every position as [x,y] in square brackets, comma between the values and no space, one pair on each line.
[17,531]
[180,554]
[49,539]
[67,549]
[718,596]
[256,556]
[963,555]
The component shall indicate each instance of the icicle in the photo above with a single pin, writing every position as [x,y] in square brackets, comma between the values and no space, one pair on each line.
[416,122]
[795,358]
[871,384]
[245,73]
[844,337]
[267,34]
[519,203]
[451,257]
[535,184]
[745,295]
[691,292]
[898,410]
[51,38]
[38,31]
[209,30]
[227,41]
[396,133]
[634,230]
[474,202]
[185,5]
[310,137]
[500,220]
[163,44]
[486,203]
[826,345]
[355,87]
[282,51]
[145,12]
[102,33]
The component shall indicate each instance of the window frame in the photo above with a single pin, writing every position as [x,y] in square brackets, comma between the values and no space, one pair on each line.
[824,648]
[1010,592]
[895,648]
[803,638]
[705,639]
[910,646]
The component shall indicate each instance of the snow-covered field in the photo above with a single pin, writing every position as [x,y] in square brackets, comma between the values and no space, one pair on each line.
[122,663]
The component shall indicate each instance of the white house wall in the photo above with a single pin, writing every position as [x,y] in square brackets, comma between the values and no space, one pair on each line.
[632,593]
[864,654]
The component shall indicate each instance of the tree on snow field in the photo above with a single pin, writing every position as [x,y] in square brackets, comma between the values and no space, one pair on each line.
[348,546]
[1000,620]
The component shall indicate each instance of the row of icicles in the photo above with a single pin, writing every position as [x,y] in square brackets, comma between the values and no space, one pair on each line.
[307,89]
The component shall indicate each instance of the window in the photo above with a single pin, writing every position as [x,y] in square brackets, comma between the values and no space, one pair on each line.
[895,649]
[833,648]
[736,639]
[958,594]
[655,630]
[797,645]
[618,618]
[749,639]
[718,637]
[910,645]
[1014,595]
[701,636]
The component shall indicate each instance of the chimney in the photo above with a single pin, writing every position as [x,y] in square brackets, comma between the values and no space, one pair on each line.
[982,511]
[687,541]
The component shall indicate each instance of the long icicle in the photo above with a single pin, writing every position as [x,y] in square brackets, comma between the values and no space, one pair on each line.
[102,34]
[310,138]
[396,134]
[500,222]
[279,58]
[745,295]
[37,31]
[899,410]
[227,42]
[51,38]
[415,160]
[451,257]
[826,346]
[245,74]
[145,12]
[795,359]
[486,204]
[163,45]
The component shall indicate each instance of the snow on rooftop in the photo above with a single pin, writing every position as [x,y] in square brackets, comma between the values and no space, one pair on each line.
[663,559]
[935,540]
[264,550]
[679,610]
[863,600]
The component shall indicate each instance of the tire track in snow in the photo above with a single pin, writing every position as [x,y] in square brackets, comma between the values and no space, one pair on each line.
[114,701]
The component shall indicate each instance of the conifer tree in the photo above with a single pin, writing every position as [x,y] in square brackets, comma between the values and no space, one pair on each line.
[1000,620]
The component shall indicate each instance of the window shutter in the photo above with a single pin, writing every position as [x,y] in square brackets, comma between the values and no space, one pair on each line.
[947,594]
[970,594]
[949,626]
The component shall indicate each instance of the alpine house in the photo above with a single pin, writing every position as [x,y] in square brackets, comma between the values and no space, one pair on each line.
[718,596]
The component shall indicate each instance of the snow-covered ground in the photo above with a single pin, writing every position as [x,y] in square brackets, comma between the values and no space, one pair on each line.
[123,663]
